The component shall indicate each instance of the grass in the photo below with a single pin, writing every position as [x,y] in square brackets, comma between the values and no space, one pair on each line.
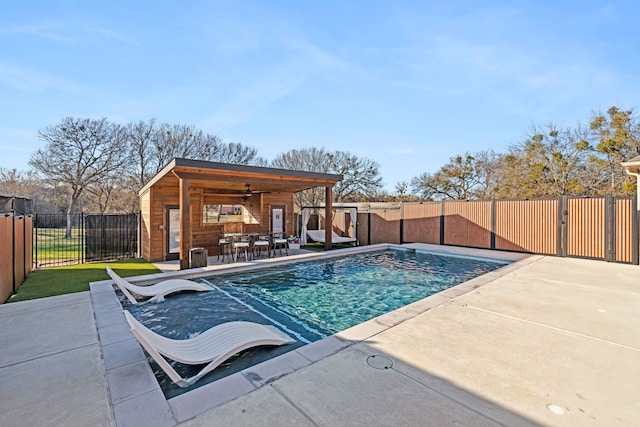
[52,246]
[48,282]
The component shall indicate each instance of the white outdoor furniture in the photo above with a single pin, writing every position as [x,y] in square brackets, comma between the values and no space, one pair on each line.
[158,290]
[213,346]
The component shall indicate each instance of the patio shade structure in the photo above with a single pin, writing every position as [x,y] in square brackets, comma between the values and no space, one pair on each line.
[183,181]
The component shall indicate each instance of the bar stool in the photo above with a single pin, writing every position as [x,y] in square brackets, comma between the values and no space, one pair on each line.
[260,245]
[280,242]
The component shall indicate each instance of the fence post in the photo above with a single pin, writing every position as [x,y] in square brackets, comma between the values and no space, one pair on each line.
[13,247]
[83,240]
[493,224]
[609,228]
[442,222]
[635,259]
[369,226]
[562,226]
[401,223]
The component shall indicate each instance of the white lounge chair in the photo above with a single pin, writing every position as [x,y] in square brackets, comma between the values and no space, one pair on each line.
[213,346]
[158,290]
[318,236]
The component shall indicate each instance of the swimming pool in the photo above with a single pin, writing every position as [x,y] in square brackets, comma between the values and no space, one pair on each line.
[308,300]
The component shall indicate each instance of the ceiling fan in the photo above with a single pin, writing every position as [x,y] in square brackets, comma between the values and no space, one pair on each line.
[248,192]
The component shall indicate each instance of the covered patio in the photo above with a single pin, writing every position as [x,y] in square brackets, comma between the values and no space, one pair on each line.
[190,203]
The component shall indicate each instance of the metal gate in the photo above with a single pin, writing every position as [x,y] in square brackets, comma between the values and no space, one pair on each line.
[92,237]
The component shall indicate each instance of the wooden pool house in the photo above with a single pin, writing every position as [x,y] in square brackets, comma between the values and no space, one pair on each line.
[190,203]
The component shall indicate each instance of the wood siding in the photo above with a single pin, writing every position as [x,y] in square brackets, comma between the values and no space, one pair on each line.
[154,202]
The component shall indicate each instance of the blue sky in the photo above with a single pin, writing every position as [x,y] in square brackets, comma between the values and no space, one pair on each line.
[405,83]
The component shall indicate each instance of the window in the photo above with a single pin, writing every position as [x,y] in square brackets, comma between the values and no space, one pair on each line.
[223,214]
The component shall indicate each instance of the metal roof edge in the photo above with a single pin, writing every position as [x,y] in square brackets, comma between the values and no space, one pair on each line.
[205,164]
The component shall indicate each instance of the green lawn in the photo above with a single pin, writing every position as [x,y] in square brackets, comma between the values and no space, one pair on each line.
[48,282]
[52,246]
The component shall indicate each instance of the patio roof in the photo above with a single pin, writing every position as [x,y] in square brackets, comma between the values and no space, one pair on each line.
[227,177]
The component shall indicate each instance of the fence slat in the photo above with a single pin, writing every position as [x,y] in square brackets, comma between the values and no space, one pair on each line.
[565,226]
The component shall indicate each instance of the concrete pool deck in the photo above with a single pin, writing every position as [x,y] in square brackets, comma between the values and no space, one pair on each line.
[514,347]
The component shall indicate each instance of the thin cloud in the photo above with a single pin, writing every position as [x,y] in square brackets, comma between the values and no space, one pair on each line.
[278,82]
[113,35]
[34,81]
[251,99]
[48,31]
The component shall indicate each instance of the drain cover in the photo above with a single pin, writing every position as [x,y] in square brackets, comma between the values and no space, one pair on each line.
[379,362]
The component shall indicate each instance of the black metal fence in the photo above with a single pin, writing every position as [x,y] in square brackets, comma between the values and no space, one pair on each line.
[90,237]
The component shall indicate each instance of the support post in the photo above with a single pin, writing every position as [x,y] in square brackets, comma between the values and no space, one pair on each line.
[185,223]
[328,209]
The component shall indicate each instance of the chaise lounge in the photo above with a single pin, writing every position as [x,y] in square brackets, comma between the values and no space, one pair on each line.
[213,346]
[318,236]
[156,291]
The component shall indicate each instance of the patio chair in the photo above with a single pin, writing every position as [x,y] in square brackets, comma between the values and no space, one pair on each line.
[261,245]
[156,291]
[280,242]
[213,346]
[224,248]
[240,245]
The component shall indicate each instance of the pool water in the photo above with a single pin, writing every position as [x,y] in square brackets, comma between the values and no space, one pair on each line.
[307,300]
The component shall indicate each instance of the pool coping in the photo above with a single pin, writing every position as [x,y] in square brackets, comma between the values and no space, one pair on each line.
[135,395]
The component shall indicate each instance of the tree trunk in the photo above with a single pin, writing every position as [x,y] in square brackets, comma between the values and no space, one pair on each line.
[67,234]
[70,209]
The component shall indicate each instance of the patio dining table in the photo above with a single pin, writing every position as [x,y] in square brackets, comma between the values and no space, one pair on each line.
[250,238]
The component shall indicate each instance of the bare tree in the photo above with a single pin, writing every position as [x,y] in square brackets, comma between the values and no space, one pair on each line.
[234,152]
[467,176]
[152,146]
[615,138]
[142,142]
[360,175]
[14,182]
[80,153]
[310,160]
[550,162]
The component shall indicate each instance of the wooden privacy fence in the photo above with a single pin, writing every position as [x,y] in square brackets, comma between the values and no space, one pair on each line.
[16,225]
[598,228]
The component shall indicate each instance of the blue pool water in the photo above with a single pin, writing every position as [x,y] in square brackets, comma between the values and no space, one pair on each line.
[307,300]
